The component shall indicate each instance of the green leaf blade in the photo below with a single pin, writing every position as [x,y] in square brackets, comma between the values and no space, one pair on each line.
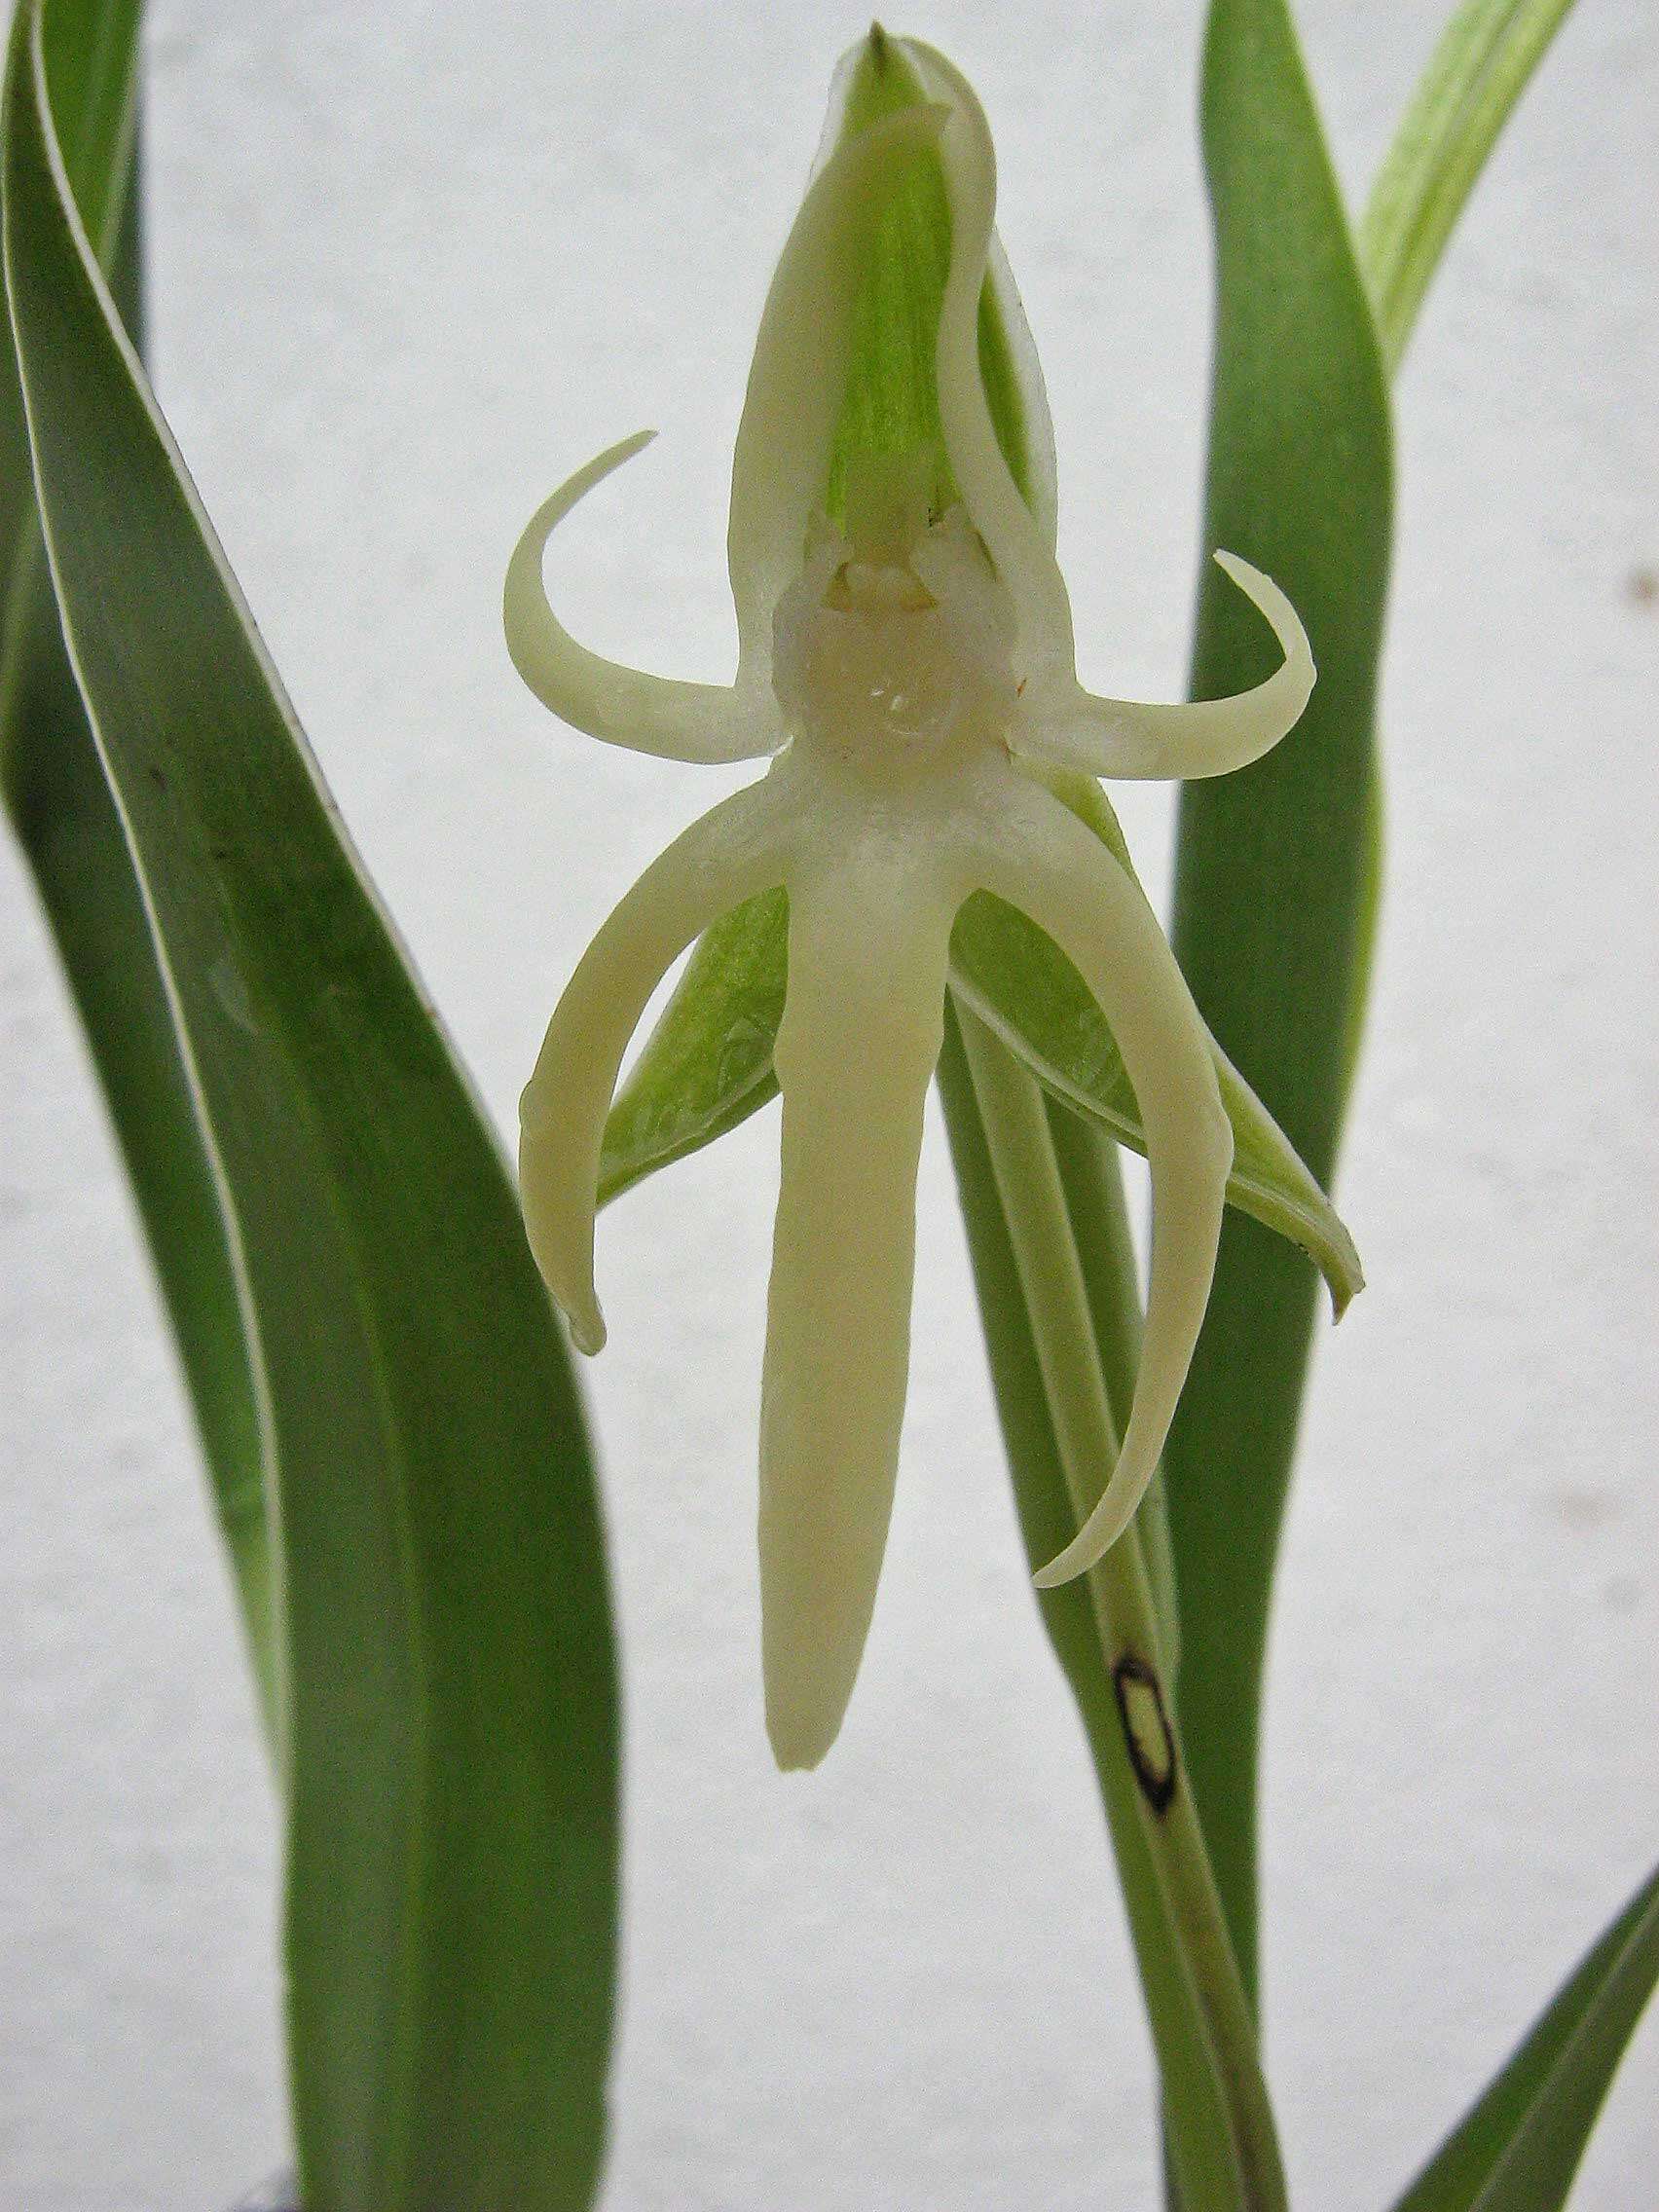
[68,824]
[1273,863]
[1519,2147]
[1483,62]
[91,56]
[1278,879]
[70,832]
[450,1734]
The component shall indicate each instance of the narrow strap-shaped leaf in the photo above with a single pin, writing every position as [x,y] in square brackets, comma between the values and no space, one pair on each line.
[70,832]
[1519,2147]
[91,49]
[450,1722]
[1481,68]
[69,829]
[1277,870]
[1272,863]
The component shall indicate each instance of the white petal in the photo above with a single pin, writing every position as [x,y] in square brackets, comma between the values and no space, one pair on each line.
[798,380]
[1208,737]
[623,706]
[936,85]
[1043,861]
[943,83]
[1021,548]
[861,1035]
[737,849]
[1058,718]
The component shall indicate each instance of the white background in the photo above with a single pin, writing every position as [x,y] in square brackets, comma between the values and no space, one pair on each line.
[411,264]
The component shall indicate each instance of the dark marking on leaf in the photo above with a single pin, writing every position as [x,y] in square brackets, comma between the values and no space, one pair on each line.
[1147,1733]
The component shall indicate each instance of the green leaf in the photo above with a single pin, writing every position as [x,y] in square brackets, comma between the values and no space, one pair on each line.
[1279,869]
[1481,68]
[91,46]
[66,822]
[1520,2146]
[1274,865]
[449,1724]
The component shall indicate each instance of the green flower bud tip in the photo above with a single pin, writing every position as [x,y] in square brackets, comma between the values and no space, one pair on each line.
[901,672]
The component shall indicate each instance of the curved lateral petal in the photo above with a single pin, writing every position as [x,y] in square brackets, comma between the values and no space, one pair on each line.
[1204,737]
[781,462]
[861,1036]
[1044,861]
[620,705]
[1016,541]
[737,849]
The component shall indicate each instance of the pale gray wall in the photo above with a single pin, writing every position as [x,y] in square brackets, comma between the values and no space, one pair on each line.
[412,264]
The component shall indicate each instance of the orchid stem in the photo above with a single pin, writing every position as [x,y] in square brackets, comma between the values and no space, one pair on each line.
[1164,1820]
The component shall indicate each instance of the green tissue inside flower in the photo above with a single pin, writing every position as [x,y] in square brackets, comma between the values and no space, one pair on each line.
[891,407]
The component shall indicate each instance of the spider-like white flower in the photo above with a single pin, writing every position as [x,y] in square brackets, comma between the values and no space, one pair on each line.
[899,674]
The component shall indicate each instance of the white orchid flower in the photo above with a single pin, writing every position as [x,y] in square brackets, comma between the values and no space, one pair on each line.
[898,671]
